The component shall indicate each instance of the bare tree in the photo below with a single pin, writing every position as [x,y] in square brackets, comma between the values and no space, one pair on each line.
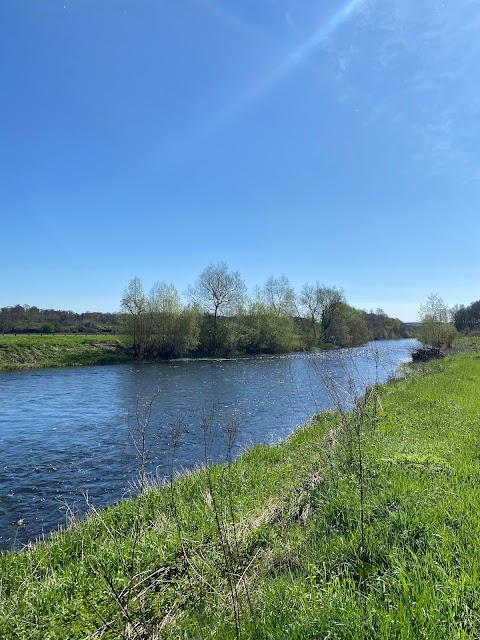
[318,303]
[310,303]
[278,294]
[219,292]
[134,306]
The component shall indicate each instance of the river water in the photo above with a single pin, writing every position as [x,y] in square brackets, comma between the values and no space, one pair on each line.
[68,433]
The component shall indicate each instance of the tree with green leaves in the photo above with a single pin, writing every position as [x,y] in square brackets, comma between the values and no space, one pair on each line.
[436,329]
[331,298]
[467,318]
[133,308]
[173,329]
[263,331]
[347,326]
[273,312]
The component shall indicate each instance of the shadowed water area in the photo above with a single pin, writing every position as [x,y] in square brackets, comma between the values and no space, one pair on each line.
[68,433]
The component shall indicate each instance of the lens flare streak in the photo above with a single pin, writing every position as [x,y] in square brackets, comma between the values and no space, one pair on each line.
[300,55]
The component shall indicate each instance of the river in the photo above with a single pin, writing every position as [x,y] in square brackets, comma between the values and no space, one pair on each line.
[68,433]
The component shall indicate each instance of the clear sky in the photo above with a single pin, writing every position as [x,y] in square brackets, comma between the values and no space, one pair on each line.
[327,140]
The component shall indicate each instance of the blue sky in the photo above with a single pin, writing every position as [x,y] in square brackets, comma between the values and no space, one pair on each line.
[326,140]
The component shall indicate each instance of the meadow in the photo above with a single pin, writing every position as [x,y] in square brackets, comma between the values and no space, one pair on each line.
[34,351]
[362,524]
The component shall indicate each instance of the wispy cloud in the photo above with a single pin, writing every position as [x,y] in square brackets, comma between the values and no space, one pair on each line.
[415,69]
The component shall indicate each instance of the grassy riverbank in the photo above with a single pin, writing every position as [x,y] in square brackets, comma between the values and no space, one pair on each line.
[36,351]
[358,526]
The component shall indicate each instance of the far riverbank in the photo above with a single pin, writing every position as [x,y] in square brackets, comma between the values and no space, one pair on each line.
[22,351]
[38,351]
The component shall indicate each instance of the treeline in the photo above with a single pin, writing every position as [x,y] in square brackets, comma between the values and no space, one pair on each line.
[382,327]
[467,319]
[30,319]
[220,319]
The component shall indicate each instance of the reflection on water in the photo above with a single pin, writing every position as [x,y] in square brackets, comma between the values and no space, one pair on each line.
[64,432]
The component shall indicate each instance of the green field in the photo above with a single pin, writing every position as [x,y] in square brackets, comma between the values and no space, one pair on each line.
[360,525]
[35,351]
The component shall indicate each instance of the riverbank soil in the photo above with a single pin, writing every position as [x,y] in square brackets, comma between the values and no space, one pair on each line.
[50,350]
[360,525]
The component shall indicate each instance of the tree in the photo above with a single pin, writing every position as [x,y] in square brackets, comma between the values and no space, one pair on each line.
[467,318]
[316,302]
[263,331]
[277,294]
[347,327]
[172,329]
[435,328]
[218,292]
[133,307]
[357,326]
[309,303]
[383,327]
[164,307]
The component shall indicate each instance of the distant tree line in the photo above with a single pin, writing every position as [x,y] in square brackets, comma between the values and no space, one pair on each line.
[30,319]
[383,327]
[467,319]
[220,319]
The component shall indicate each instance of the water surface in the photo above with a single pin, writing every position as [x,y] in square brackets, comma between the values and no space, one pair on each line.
[67,433]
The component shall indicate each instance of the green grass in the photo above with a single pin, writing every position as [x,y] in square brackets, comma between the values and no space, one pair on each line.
[35,351]
[466,344]
[273,541]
